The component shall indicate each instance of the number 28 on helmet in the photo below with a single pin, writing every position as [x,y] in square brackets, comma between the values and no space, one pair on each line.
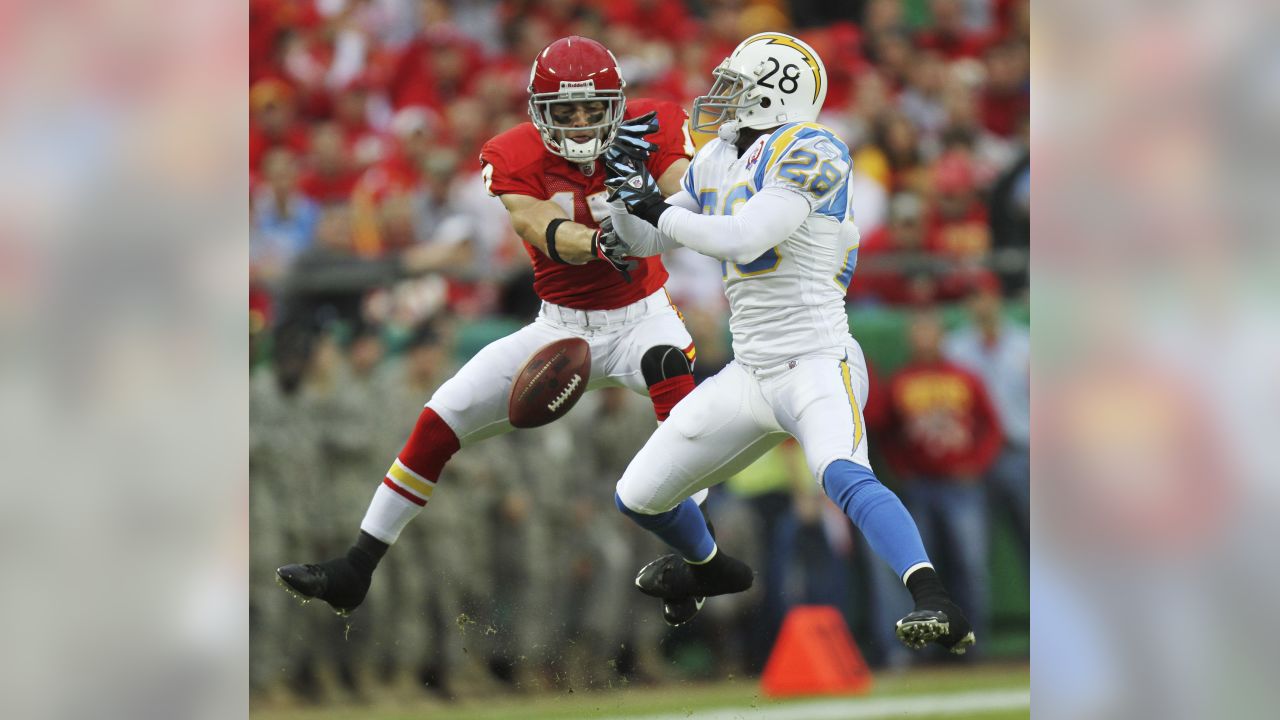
[575,98]
[769,79]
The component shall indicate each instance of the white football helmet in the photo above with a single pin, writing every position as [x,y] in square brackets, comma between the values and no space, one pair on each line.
[769,79]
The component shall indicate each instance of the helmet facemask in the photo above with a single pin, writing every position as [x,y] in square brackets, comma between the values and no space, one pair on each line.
[553,114]
[721,104]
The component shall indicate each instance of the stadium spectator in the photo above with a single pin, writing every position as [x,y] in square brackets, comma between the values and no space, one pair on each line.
[948,33]
[999,351]
[956,223]
[437,66]
[897,267]
[330,174]
[870,99]
[1010,218]
[964,135]
[923,99]
[899,140]
[351,112]
[415,131]
[943,438]
[273,121]
[284,219]
[1006,95]
[892,53]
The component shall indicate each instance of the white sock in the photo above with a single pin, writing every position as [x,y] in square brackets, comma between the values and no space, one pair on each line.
[388,515]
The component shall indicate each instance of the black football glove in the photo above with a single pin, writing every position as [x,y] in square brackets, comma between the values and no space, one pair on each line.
[630,140]
[607,246]
[637,189]
[617,168]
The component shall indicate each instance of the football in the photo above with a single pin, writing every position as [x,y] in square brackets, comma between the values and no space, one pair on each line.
[550,382]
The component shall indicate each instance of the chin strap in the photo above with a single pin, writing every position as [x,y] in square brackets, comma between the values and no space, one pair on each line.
[585,160]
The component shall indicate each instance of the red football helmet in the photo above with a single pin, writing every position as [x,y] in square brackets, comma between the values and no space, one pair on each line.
[576,70]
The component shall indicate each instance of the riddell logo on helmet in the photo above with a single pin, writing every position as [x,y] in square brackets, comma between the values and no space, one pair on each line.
[577,85]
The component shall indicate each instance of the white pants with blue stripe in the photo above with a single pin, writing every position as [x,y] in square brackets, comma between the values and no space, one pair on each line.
[733,418]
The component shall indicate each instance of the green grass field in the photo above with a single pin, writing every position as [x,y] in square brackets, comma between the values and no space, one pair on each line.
[980,693]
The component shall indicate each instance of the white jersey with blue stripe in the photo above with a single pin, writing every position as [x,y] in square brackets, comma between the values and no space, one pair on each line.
[789,301]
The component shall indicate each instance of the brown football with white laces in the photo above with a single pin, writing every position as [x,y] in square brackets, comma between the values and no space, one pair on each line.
[550,383]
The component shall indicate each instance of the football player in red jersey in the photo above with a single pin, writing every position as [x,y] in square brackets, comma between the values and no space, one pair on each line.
[550,176]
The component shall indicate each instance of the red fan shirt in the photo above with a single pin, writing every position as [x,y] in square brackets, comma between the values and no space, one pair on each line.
[942,422]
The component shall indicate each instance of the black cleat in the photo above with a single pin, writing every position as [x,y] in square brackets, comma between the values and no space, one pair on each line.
[948,628]
[670,577]
[678,611]
[336,582]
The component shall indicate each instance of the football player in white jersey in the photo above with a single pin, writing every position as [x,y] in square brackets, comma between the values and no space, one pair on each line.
[768,198]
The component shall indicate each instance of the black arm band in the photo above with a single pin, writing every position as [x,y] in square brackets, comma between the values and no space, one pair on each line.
[551,239]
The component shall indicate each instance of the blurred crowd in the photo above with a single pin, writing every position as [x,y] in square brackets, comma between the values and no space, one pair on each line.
[367,116]
[375,247]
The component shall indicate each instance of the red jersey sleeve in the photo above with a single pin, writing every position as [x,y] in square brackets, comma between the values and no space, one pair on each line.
[512,163]
[672,138]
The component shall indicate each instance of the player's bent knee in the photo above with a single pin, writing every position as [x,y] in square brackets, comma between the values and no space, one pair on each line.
[843,472]
[624,508]
[669,375]
[630,504]
[663,362]
[854,488]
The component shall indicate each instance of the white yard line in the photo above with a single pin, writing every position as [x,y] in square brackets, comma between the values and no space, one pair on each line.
[862,708]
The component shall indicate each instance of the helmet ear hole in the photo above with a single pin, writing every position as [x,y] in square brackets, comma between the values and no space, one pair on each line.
[765,102]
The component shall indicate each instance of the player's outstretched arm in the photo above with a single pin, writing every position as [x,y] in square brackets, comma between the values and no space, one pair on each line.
[530,217]
[764,221]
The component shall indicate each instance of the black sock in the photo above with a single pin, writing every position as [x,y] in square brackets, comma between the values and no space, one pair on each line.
[926,589]
[722,570]
[366,553]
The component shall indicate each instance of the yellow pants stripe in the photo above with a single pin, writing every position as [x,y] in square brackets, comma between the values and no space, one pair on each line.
[407,478]
[853,404]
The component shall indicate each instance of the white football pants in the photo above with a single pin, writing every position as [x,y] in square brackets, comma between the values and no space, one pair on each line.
[733,418]
[474,401]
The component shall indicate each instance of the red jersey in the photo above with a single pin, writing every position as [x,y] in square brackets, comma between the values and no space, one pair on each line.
[943,424]
[517,162]
[327,189]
